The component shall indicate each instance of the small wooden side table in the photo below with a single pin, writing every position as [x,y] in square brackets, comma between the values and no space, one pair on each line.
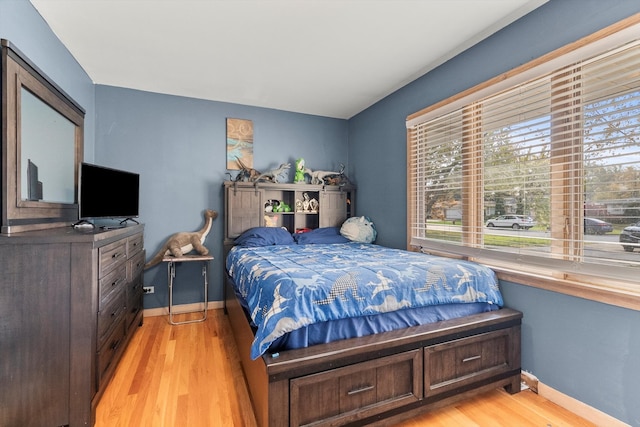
[171,271]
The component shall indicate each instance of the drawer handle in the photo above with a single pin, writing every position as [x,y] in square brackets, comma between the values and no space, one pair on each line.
[360,390]
[471,359]
[115,344]
[116,255]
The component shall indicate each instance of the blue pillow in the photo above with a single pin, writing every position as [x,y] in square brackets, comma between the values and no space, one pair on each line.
[320,235]
[264,236]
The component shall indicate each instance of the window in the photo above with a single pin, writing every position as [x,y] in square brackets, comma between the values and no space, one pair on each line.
[538,172]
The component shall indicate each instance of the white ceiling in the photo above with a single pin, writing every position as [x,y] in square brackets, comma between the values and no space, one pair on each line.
[331,58]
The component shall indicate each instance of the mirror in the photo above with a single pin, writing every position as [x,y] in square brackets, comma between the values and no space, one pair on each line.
[45,135]
[42,143]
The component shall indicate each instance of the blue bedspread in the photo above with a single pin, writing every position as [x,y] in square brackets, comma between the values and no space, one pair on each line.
[287,287]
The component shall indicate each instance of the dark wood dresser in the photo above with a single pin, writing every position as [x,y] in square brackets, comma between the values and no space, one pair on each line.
[70,300]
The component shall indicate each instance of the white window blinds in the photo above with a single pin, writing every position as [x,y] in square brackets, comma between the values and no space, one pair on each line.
[540,171]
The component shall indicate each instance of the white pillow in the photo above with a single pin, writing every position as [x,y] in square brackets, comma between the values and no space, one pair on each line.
[359,229]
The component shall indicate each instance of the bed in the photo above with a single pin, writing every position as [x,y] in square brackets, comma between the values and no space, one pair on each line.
[370,335]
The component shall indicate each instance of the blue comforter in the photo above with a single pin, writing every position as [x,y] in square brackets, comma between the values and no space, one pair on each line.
[287,287]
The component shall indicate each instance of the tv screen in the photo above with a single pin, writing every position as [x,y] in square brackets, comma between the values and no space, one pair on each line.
[108,193]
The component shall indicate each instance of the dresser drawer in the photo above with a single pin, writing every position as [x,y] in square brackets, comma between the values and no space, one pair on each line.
[357,391]
[134,244]
[464,361]
[135,265]
[109,350]
[111,256]
[134,300]
[112,282]
[109,316]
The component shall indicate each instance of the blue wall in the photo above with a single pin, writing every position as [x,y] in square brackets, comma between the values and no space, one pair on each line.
[178,145]
[23,26]
[587,350]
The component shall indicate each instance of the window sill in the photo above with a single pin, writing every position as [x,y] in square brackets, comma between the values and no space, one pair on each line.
[622,296]
[619,292]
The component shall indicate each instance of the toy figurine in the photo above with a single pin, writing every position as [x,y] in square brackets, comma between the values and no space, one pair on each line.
[299,176]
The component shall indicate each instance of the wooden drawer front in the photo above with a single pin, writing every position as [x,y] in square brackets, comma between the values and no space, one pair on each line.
[111,283]
[108,351]
[134,244]
[358,391]
[134,300]
[135,265]
[109,316]
[111,256]
[456,363]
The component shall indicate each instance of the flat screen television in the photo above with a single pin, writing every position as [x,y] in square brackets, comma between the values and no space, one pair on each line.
[108,193]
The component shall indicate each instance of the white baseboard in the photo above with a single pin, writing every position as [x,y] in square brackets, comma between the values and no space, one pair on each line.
[582,409]
[197,306]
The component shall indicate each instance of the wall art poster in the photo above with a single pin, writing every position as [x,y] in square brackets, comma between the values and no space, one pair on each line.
[239,144]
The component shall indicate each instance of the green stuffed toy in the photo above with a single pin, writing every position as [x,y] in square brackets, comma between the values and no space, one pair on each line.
[299,176]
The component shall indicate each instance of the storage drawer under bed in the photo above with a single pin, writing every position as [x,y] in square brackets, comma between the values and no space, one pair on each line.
[464,361]
[357,391]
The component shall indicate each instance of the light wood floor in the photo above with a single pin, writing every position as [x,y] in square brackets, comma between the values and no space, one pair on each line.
[190,375]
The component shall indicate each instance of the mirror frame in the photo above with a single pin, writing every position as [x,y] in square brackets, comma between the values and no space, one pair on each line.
[17,214]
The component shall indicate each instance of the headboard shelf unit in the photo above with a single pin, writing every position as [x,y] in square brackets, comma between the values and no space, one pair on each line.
[249,204]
